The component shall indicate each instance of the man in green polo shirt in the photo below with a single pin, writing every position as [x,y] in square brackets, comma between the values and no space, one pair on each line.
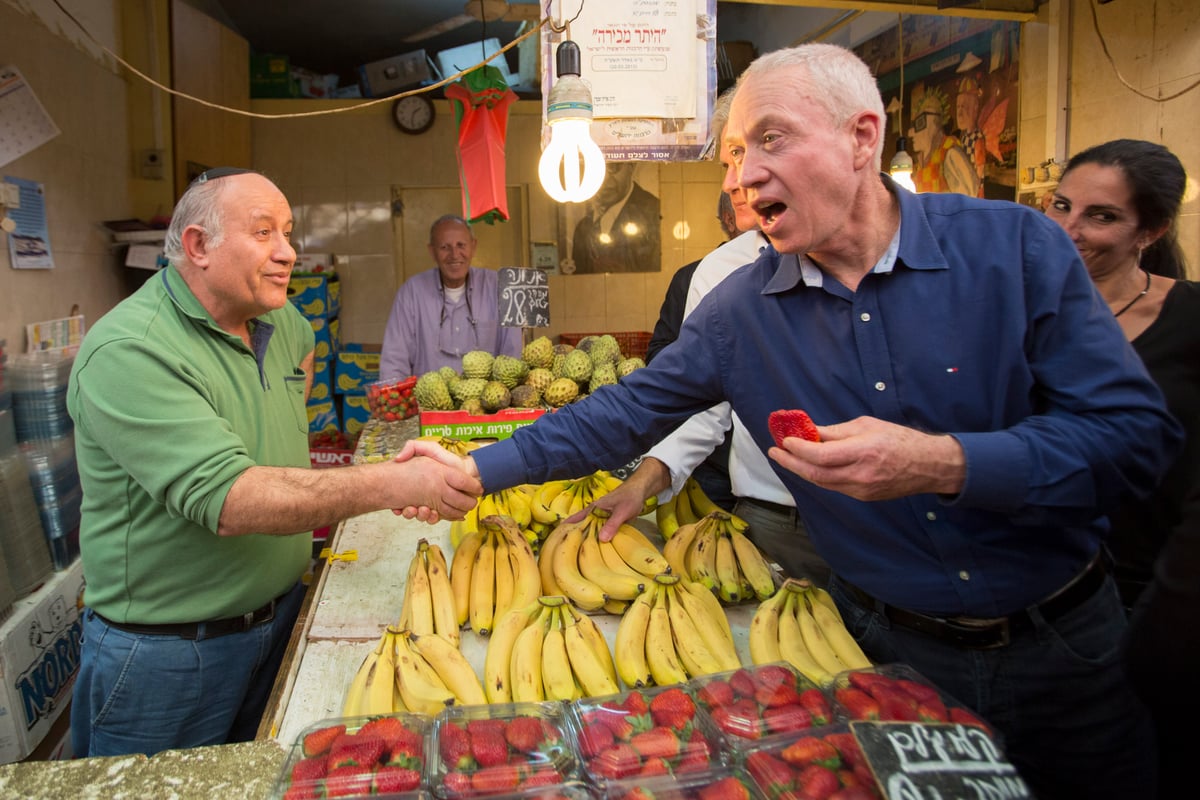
[191,433]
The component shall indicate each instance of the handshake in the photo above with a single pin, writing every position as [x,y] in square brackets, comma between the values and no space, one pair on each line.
[435,483]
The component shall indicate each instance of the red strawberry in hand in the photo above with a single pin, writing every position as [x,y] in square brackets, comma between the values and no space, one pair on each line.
[792,422]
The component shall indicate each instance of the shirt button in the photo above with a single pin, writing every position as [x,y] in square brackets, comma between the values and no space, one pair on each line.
[964,575]
[880,386]
[865,317]
[930,515]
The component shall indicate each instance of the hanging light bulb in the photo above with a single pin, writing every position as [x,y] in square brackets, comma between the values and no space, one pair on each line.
[902,166]
[572,167]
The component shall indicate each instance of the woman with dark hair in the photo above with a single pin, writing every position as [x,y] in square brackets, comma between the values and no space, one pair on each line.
[1119,201]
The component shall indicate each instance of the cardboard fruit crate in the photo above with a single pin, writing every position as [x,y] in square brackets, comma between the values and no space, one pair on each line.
[633,343]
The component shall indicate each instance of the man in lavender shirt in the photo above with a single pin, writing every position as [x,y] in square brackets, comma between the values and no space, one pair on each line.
[445,312]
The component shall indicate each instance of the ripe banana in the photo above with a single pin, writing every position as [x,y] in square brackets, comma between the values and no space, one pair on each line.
[675,549]
[824,598]
[700,502]
[483,584]
[416,614]
[420,688]
[558,680]
[814,639]
[592,665]
[764,630]
[451,666]
[791,643]
[565,563]
[461,565]
[505,577]
[616,585]
[708,601]
[690,646]
[752,563]
[352,704]
[565,504]
[527,582]
[629,648]
[661,657]
[546,561]
[497,666]
[376,697]
[836,635]
[639,552]
[729,577]
[613,561]
[526,668]
[701,556]
[683,509]
[711,624]
[666,518]
[445,613]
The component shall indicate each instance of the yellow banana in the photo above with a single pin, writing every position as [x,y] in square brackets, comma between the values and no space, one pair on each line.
[616,585]
[558,680]
[539,504]
[565,563]
[546,561]
[690,646]
[418,597]
[561,504]
[526,667]
[753,563]
[675,549]
[377,694]
[814,638]
[420,688]
[461,566]
[505,576]
[661,657]
[701,504]
[738,523]
[824,598]
[527,582]
[354,702]
[629,647]
[666,518]
[683,509]
[711,623]
[582,498]
[617,564]
[608,481]
[486,507]
[458,530]
[839,639]
[519,507]
[497,665]
[791,642]
[764,630]
[639,552]
[593,667]
[729,577]
[483,584]
[616,607]
[445,613]
[452,667]
[701,556]
[712,606]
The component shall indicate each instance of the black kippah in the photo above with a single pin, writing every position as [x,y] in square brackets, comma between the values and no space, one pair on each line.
[219,172]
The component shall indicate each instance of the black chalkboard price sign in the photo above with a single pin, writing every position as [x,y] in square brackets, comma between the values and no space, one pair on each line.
[524,298]
[927,761]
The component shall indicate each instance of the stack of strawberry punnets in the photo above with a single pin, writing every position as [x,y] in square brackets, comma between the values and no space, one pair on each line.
[720,783]
[642,734]
[756,703]
[827,764]
[501,749]
[357,757]
[895,692]
[393,400]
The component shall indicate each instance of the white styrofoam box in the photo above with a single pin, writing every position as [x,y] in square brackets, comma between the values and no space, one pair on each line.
[39,659]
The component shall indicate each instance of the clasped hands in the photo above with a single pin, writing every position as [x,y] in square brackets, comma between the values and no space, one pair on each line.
[449,483]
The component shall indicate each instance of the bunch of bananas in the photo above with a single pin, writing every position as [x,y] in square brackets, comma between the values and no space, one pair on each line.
[459,447]
[547,650]
[557,500]
[410,672]
[674,630]
[597,575]
[802,625]
[429,605]
[716,553]
[515,503]
[494,569]
[689,505]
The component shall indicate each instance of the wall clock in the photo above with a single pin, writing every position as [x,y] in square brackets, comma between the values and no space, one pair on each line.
[414,114]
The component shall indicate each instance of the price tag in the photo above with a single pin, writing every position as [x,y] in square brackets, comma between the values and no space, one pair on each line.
[937,761]
[524,298]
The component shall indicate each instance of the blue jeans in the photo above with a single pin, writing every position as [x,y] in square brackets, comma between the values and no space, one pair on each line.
[1071,724]
[141,693]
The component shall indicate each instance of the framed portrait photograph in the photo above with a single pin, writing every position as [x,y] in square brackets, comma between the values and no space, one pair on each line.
[618,230]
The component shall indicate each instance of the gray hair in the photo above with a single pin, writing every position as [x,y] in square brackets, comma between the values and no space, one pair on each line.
[446,219]
[835,78]
[716,128]
[199,206]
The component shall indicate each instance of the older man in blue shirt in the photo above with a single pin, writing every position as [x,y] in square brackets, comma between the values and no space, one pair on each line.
[979,410]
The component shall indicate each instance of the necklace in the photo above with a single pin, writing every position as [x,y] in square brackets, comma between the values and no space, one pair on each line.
[1137,297]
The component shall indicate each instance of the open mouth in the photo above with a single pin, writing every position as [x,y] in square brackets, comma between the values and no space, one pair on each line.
[768,213]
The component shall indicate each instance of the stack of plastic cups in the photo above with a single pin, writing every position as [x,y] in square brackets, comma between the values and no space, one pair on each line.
[45,436]
[24,557]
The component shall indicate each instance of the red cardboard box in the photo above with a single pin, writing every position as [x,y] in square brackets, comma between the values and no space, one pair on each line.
[463,425]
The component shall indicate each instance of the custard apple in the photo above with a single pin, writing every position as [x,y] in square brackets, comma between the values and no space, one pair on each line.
[477,364]
[432,394]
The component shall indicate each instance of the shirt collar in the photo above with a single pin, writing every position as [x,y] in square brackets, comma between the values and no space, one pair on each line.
[185,300]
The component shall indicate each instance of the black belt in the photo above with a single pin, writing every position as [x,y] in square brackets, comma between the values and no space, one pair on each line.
[206,630]
[767,505]
[984,634]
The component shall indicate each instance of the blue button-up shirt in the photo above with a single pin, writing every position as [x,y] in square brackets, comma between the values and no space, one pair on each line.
[986,327]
